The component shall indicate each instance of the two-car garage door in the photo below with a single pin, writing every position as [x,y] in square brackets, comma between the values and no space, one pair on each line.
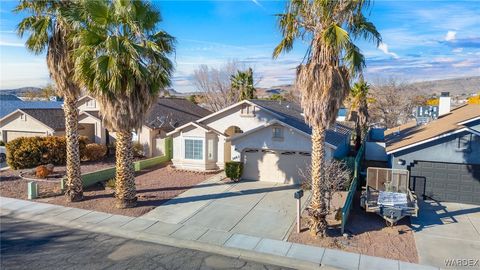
[446,181]
[275,166]
[11,135]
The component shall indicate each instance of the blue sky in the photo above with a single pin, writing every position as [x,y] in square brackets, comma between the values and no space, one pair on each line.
[422,40]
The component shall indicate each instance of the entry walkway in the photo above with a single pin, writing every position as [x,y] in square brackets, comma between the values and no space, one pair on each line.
[250,207]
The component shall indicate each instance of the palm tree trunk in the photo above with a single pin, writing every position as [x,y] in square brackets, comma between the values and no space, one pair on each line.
[74,192]
[125,174]
[318,208]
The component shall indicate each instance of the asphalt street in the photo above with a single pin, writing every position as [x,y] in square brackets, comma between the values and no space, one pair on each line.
[33,245]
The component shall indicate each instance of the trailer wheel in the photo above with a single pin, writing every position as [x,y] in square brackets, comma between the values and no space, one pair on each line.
[390,223]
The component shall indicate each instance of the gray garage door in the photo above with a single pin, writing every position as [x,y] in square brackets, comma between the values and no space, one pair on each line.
[449,182]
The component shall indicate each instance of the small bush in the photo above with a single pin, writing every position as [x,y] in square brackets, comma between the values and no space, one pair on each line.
[42,171]
[2,143]
[29,152]
[95,151]
[138,150]
[110,183]
[233,170]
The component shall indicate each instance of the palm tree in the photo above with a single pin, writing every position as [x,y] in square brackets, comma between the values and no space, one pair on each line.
[49,31]
[122,61]
[323,78]
[243,83]
[358,104]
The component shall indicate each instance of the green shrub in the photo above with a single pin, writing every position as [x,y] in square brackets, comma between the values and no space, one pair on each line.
[138,150]
[233,170]
[95,151]
[29,152]
[2,143]
[110,183]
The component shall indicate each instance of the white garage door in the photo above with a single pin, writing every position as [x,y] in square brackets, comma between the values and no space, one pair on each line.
[275,166]
[11,135]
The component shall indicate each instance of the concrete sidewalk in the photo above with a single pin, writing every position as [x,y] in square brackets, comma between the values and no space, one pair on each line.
[200,238]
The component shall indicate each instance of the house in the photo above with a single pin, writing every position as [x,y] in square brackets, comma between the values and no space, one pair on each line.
[10,103]
[443,155]
[31,123]
[165,115]
[271,138]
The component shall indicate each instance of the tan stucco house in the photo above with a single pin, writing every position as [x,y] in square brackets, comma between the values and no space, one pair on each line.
[271,138]
[165,115]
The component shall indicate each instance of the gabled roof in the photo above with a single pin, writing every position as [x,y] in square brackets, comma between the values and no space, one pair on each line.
[9,106]
[169,113]
[9,97]
[53,118]
[290,114]
[411,134]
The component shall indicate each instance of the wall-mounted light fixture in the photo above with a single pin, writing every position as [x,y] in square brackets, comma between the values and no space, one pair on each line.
[401,162]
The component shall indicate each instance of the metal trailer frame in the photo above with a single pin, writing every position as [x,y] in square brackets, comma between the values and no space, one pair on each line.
[394,180]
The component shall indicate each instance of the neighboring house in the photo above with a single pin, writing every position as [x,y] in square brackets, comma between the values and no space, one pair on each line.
[165,115]
[8,106]
[9,97]
[31,123]
[271,138]
[443,155]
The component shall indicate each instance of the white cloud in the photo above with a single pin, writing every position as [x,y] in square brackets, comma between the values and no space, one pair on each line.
[384,48]
[257,3]
[11,44]
[451,35]
[457,50]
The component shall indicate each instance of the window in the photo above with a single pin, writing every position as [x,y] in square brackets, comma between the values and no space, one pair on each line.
[193,149]
[91,103]
[277,133]
[23,117]
[464,142]
[210,149]
[247,110]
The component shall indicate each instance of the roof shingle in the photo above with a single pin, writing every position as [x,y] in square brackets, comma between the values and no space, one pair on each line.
[411,133]
[53,118]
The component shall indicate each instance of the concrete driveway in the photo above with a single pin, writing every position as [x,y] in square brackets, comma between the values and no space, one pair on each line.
[446,231]
[249,207]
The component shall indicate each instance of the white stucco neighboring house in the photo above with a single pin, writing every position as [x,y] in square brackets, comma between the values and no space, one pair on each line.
[165,115]
[270,137]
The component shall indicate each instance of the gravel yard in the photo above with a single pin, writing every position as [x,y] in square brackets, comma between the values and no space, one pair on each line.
[13,186]
[368,235]
[154,186]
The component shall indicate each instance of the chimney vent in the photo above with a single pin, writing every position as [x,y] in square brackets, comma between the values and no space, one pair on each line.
[444,104]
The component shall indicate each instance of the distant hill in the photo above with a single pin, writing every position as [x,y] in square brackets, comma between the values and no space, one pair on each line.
[456,86]
[20,91]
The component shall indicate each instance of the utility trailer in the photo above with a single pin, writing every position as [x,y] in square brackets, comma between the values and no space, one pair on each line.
[386,193]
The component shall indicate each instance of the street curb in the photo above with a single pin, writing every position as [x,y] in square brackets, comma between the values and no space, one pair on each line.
[71,218]
[170,241]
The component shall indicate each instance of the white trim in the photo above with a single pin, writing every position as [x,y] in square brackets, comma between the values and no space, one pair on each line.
[273,122]
[473,131]
[429,140]
[469,120]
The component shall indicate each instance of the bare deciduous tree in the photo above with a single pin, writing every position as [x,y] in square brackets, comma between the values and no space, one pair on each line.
[392,102]
[215,85]
[337,177]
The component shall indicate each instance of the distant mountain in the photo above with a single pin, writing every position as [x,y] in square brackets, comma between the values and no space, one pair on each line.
[20,91]
[457,86]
